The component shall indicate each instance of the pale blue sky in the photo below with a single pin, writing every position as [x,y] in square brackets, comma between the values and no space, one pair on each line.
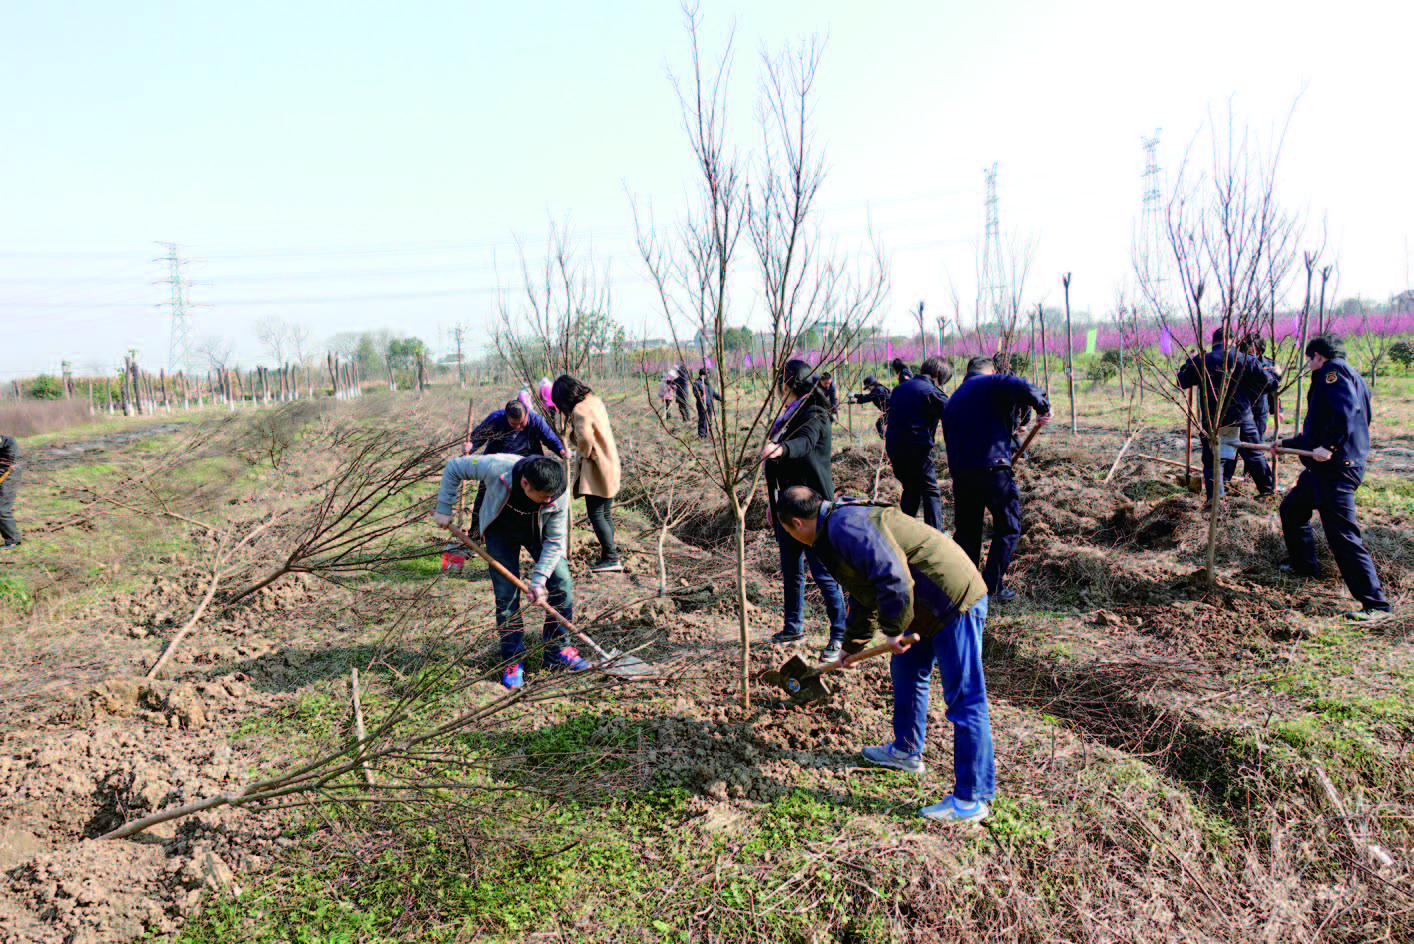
[359,165]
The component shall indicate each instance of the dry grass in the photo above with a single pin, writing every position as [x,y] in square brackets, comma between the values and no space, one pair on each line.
[33,417]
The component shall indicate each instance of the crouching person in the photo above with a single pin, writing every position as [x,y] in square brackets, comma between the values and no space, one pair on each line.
[915,580]
[527,507]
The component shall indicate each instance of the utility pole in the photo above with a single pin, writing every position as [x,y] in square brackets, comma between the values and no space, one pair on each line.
[993,276]
[457,333]
[1069,358]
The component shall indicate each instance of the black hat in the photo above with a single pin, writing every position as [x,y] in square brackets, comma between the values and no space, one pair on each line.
[870,381]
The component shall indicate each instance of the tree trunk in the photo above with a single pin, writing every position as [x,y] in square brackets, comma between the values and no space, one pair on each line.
[1215,511]
[739,510]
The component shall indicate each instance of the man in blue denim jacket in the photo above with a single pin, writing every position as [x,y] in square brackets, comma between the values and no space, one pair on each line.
[914,580]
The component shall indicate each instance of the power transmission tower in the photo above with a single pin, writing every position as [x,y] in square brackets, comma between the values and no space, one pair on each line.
[1151,227]
[179,347]
[993,274]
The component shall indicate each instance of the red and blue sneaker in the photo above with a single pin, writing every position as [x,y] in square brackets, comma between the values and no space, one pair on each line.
[513,676]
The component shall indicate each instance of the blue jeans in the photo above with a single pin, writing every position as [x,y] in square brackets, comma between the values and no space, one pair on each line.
[793,573]
[957,651]
[504,546]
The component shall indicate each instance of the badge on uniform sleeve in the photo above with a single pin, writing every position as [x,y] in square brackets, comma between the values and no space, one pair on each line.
[1330,378]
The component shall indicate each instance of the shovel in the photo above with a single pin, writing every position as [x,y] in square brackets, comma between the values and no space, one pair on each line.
[613,662]
[804,683]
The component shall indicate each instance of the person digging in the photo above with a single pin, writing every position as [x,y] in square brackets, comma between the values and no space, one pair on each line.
[915,580]
[526,506]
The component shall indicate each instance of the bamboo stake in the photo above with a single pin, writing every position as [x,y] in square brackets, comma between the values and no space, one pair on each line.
[1123,449]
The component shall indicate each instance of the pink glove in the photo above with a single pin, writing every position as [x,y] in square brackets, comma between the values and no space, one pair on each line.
[467,448]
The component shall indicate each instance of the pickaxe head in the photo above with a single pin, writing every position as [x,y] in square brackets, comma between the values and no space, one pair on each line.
[799,680]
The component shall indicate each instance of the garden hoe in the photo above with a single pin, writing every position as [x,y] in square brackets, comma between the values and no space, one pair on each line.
[805,683]
[615,663]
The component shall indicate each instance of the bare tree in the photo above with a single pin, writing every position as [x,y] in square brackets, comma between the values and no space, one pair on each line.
[802,286]
[274,336]
[562,319]
[215,351]
[1378,330]
[1229,241]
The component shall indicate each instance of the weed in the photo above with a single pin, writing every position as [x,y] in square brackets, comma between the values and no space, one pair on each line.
[15,593]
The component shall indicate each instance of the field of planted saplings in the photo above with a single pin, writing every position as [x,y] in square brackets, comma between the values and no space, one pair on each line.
[241,700]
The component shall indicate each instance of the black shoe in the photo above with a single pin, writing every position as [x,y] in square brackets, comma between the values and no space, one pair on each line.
[1369,616]
[607,565]
[786,635]
[831,652]
[1300,573]
[10,545]
[1004,595]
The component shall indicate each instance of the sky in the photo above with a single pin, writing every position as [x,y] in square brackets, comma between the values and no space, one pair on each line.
[356,166]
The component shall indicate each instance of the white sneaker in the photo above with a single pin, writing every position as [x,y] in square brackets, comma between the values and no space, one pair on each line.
[953,810]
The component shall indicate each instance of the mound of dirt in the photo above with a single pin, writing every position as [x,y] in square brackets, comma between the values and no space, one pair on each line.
[64,788]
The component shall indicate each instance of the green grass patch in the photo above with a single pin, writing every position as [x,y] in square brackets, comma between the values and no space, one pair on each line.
[15,593]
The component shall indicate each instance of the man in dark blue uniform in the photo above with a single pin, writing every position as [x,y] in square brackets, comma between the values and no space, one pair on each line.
[1337,431]
[915,407]
[877,394]
[1237,379]
[978,430]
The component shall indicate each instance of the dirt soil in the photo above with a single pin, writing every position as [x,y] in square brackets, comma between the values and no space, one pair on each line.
[1118,637]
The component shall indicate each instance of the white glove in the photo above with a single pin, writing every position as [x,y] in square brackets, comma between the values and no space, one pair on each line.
[440,519]
[537,592]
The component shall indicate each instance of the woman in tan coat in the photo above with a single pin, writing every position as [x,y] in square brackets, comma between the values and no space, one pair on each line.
[596,474]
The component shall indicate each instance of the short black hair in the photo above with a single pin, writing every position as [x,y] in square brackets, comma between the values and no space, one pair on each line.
[1218,336]
[514,409]
[543,474]
[978,363]
[897,365]
[937,368]
[799,501]
[1252,344]
[827,376]
[1328,345]
[567,392]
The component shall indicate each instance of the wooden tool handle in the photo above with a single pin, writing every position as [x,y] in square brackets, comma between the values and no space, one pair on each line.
[1281,450]
[515,579]
[869,653]
[1029,436]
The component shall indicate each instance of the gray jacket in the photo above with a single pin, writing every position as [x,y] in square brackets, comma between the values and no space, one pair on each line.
[495,472]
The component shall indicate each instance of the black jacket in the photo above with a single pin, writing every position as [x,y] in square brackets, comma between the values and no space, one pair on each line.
[9,453]
[1250,379]
[805,459]
[879,396]
[1337,418]
[915,407]
[977,422]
